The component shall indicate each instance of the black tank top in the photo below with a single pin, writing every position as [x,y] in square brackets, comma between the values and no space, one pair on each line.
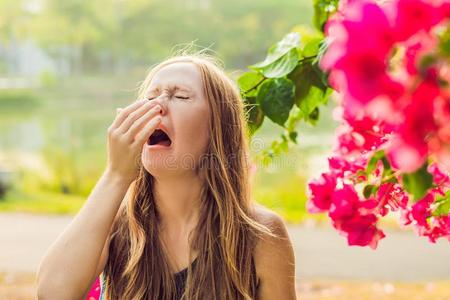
[180,280]
[181,277]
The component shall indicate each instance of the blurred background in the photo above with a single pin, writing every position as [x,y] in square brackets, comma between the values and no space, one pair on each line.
[64,68]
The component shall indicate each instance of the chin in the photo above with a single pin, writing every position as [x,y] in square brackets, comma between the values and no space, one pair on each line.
[162,163]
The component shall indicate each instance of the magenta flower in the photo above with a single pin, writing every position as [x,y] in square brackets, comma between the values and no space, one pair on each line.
[320,193]
[421,210]
[387,63]
[344,203]
[362,231]
[412,16]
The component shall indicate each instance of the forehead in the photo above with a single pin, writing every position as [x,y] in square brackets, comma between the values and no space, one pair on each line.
[180,74]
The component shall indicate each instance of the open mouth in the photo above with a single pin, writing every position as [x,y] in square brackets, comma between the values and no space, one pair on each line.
[159,137]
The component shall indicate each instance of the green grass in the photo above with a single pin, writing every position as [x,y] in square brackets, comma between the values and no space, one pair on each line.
[285,196]
[41,202]
[12,100]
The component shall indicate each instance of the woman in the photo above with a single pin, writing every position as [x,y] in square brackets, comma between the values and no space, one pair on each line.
[171,217]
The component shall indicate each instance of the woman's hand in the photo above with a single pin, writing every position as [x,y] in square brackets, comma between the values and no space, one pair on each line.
[127,134]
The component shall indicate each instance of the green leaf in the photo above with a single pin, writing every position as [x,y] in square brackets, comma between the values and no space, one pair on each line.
[369,190]
[276,98]
[281,67]
[322,10]
[248,81]
[443,205]
[313,116]
[309,89]
[444,42]
[293,136]
[254,114]
[312,47]
[290,41]
[418,182]
[371,165]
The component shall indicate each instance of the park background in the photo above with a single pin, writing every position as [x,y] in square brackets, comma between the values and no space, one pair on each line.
[64,68]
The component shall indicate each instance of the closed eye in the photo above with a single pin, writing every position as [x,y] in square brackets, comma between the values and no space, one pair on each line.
[181,97]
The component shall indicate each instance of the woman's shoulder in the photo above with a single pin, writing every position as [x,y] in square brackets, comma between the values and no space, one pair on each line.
[274,254]
[269,218]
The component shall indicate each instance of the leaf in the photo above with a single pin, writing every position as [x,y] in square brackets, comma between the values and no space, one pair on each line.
[372,164]
[281,67]
[276,98]
[248,83]
[312,47]
[444,42]
[293,136]
[254,114]
[290,41]
[369,190]
[313,116]
[322,10]
[418,182]
[309,89]
[443,205]
[249,80]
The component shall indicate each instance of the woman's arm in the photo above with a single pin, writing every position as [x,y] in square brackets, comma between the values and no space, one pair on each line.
[275,260]
[71,263]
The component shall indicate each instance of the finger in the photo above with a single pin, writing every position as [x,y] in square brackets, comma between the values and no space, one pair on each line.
[137,125]
[122,115]
[135,115]
[148,129]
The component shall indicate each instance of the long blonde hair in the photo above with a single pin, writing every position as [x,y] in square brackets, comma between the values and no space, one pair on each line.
[227,230]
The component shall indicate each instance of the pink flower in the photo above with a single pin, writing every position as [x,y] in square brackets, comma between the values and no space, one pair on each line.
[410,150]
[363,134]
[440,178]
[439,227]
[362,231]
[353,218]
[320,193]
[342,167]
[399,104]
[406,157]
[363,19]
[421,210]
[418,45]
[344,203]
[413,16]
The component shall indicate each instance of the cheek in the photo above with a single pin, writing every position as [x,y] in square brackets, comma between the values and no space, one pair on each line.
[192,129]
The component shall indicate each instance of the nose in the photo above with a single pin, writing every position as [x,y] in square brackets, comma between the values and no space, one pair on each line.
[162,103]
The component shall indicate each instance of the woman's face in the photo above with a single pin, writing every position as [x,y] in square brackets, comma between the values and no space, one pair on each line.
[178,89]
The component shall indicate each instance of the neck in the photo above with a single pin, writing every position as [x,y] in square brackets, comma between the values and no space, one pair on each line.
[178,200]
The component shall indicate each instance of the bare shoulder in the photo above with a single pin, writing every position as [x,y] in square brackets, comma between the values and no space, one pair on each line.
[274,257]
[269,218]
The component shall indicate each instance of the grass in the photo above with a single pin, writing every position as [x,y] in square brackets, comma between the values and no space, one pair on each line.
[12,100]
[286,196]
[41,202]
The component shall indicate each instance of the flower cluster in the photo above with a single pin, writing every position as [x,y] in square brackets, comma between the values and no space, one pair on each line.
[390,64]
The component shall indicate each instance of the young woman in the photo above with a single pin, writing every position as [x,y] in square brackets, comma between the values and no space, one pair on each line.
[171,217]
